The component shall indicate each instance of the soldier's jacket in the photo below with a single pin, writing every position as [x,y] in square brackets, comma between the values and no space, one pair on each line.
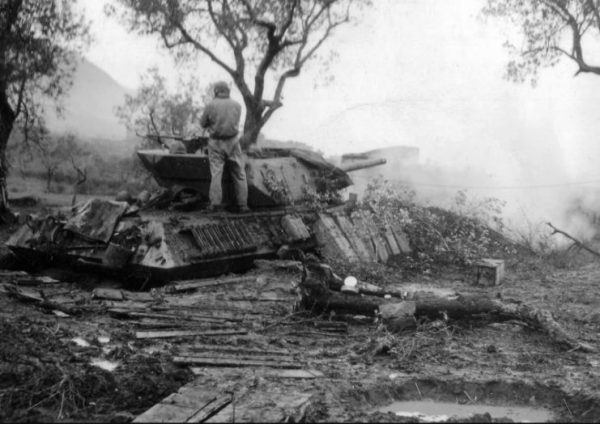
[222,117]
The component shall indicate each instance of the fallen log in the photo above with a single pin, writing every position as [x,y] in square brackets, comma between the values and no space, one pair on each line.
[317,297]
[335,282]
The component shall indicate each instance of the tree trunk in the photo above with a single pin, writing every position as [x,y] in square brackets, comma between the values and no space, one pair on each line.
[7,120]
[49,175]
[252,124]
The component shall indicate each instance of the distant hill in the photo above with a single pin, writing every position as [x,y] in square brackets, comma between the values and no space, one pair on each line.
[90,110]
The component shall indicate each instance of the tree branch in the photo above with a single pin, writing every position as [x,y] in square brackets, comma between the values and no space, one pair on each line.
[573,239]
[577,55]
[218,24]
[203,48]
[594,8]
[276,104]
[290,18]
[10,10]
[20,97]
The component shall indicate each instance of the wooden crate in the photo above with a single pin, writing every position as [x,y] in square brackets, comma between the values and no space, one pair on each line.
[489,272]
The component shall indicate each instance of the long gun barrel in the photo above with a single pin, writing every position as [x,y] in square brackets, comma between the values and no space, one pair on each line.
[348,167]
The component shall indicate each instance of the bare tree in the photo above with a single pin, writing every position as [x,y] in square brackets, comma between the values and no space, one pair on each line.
[248,39]
[81,178]
[551,30]
[39,45]
[154,111]
[53,152]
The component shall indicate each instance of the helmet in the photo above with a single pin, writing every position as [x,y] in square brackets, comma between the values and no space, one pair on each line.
[221,87]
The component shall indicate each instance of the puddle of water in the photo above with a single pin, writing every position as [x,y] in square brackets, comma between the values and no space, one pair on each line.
[104,364]
[430,411]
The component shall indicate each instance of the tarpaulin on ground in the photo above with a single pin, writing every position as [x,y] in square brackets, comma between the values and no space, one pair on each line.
[96,219]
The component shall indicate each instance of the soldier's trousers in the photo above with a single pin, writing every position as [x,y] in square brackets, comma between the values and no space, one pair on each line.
[218,152]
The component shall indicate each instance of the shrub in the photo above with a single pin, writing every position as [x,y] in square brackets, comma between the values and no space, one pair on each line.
[468,231]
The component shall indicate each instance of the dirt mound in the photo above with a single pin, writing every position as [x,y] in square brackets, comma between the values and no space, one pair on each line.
[46,377]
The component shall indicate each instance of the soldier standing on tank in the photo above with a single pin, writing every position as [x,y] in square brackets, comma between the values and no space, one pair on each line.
[222,117]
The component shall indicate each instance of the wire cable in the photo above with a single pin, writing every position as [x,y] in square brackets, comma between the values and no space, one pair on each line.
[521,187]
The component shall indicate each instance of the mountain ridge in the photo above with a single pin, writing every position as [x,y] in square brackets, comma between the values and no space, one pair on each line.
[89,109]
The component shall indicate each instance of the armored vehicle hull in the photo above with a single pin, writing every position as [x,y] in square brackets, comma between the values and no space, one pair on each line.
[152,242]
[159,245]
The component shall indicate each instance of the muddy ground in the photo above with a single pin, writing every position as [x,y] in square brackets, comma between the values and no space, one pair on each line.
[46,376]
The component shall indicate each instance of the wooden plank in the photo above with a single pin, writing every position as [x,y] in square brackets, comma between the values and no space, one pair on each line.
[316,333]
[173,316]
[361,231]
[219,362]
[357,242]
[27,295]
[24,279]
[295,228]
[161,413]
[337,327]
[108,294]
[234,357]
[138,296]
[190,397]
[260,299]
[236,349]
[391,241]
[172,334]
[332,242]
[211,409]
[295,374]
[199,284]
[178,325]
[401,238]
[217,309]
[381,249]
[188,402]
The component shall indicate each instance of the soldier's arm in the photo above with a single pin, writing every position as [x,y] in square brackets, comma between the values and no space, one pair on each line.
[205,120]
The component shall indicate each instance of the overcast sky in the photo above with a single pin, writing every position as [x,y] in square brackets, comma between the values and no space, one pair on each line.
[427,73]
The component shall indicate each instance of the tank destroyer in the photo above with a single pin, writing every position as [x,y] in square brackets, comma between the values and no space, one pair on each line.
[172,236]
